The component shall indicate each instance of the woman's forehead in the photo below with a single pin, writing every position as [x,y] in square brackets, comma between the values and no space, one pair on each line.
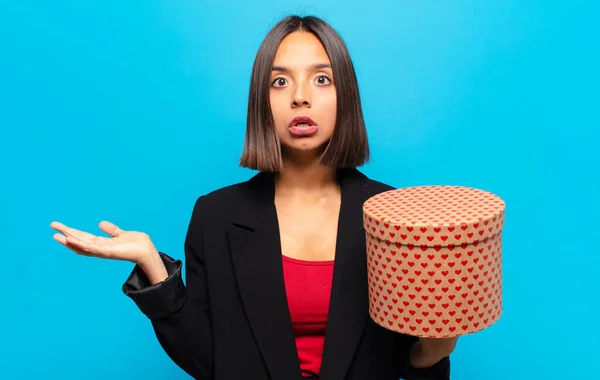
[300,50]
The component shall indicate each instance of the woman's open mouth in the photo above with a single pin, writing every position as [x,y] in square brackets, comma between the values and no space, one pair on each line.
[303,126]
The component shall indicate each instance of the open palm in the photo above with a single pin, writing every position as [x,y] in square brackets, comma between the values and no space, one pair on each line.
[120,245]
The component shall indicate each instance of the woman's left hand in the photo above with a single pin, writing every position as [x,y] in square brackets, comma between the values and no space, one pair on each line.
[428,351]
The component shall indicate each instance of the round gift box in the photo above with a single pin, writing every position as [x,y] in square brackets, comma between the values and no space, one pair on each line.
[434,257]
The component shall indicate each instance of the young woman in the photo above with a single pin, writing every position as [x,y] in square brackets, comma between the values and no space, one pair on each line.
[276,266]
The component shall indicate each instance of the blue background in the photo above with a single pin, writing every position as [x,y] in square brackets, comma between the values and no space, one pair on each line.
[128,111]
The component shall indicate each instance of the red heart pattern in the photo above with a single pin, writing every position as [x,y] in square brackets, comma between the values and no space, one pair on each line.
[434,256]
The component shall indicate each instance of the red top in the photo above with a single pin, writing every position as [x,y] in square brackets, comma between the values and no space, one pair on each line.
[308,288]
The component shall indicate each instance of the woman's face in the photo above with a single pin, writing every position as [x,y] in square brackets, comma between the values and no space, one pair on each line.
[303,97]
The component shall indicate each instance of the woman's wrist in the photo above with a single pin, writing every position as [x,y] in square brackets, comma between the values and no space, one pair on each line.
[153,267]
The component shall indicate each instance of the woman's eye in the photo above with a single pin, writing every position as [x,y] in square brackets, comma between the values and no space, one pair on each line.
[279,82]
[322,79]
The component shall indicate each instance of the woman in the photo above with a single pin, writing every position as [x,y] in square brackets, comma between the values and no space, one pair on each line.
[276,266]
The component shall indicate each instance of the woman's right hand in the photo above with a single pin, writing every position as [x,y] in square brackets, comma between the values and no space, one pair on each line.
[121,245]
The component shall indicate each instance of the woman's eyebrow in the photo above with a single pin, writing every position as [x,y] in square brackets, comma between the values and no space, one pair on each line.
[316,66]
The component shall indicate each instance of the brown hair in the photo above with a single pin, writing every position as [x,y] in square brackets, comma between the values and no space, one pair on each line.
[348,146]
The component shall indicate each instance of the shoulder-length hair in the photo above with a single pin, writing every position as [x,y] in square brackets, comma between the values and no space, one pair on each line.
[348,146]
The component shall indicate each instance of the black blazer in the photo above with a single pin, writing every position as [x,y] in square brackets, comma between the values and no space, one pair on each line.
[232,321]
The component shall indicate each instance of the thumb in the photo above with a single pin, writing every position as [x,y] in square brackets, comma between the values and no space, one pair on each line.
[110,228]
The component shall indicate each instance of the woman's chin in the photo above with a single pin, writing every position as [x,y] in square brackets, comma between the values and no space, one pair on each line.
[305,147]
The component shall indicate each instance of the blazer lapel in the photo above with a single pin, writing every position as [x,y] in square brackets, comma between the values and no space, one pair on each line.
[348,310]
[256,254]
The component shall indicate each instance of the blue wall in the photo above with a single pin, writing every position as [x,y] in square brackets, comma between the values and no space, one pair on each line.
[122,110]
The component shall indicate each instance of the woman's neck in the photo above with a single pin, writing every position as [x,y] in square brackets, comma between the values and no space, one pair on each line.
[306,178]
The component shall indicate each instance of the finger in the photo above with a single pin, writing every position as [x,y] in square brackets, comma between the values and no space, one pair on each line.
[63,240]
[68,231]
[110,228]
[86,247]
[58,226]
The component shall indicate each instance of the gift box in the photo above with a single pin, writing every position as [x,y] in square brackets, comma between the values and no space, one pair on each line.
[434,257]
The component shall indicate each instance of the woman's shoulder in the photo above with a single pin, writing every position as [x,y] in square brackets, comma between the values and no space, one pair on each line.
[224,196]
[378,186]
[220,203]
[371,185]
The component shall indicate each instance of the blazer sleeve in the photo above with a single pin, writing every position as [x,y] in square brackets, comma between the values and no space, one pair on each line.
[180,314]
[438,371]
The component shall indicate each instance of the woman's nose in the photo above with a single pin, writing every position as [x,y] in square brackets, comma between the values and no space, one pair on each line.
[301,96]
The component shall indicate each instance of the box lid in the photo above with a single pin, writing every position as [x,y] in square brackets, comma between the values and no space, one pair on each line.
[436,215]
